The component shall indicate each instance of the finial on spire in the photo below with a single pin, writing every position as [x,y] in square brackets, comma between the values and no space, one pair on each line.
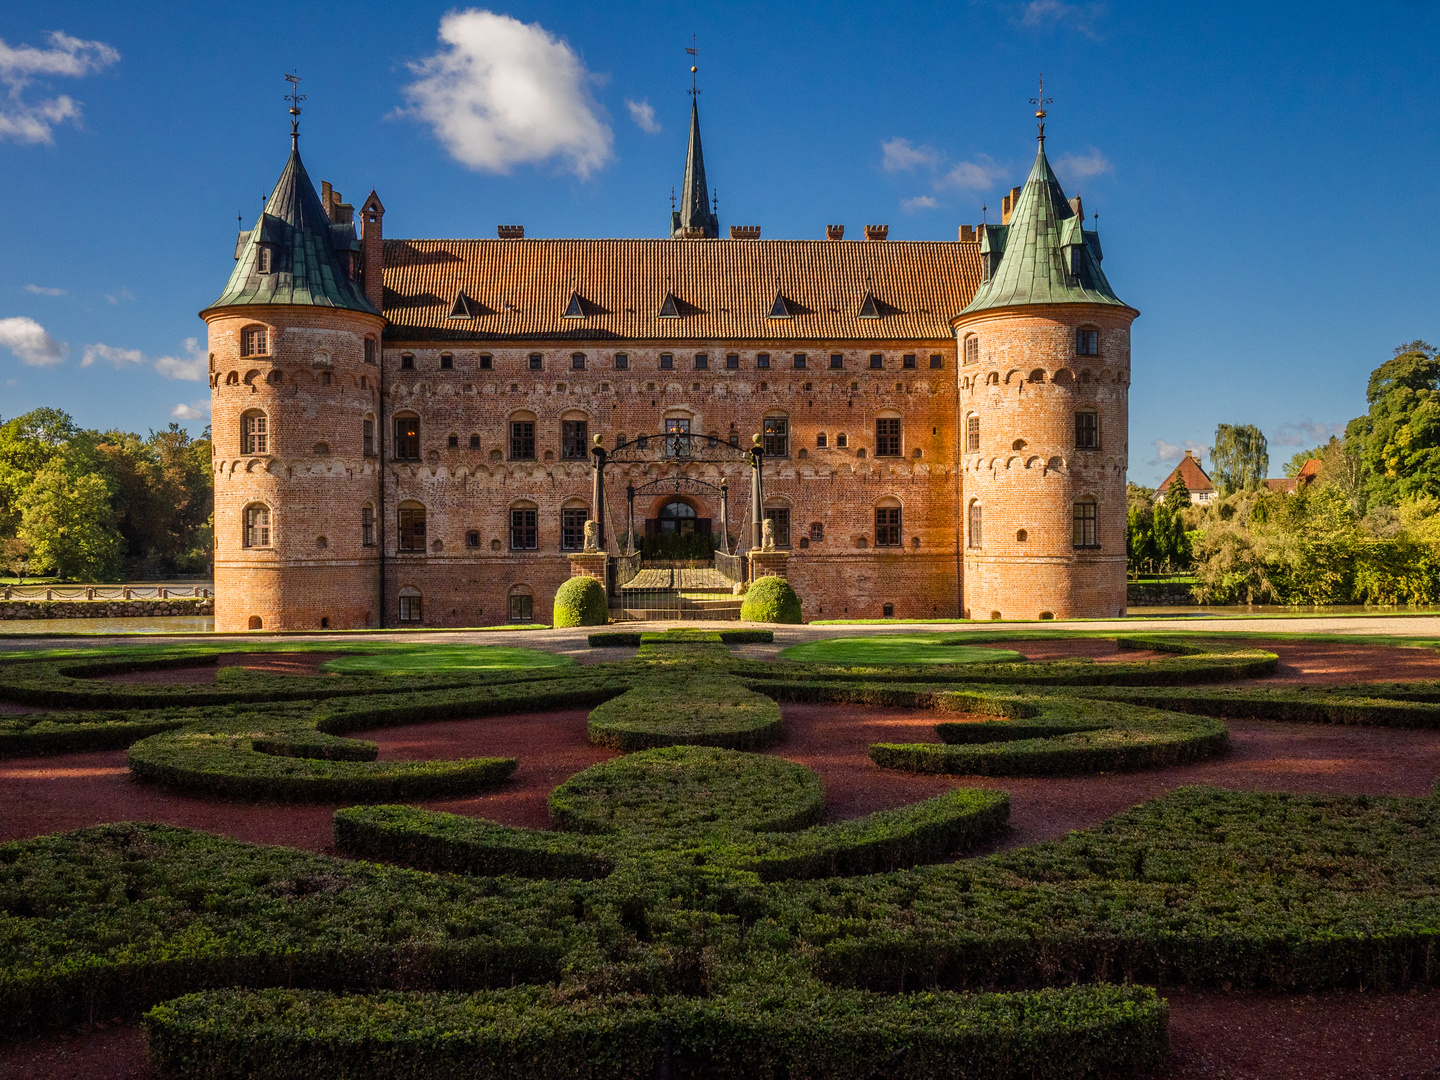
[1040,103]
[694,68]
[294,97]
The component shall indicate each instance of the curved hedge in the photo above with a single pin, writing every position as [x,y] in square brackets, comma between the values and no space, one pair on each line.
[581,601]
[770,599]
[686,712]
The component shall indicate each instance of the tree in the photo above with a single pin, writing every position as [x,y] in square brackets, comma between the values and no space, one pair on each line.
[67,523]
[1398,440]
[1177,495]
[27,443]
[1240,458]
[1140,538]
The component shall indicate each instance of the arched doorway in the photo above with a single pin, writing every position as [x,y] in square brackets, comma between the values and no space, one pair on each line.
[676,517]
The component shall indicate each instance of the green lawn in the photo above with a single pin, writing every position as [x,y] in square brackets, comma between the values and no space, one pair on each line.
[897,649]
[429,658]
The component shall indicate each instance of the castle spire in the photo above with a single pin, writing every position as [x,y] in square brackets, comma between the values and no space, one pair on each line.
[695,219]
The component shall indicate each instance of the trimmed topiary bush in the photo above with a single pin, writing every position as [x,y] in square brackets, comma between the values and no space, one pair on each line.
[581,602]
[771,599]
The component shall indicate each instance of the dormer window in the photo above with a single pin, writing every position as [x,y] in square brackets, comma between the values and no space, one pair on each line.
[254,341]
[262,260]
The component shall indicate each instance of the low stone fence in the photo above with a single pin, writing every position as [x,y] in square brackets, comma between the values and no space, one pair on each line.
[105,609]
[1158,594]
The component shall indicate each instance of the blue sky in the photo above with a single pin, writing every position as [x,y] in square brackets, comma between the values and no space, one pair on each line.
[1266,175]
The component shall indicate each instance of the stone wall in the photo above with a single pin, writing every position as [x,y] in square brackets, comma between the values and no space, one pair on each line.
[1159,594]
[105,609]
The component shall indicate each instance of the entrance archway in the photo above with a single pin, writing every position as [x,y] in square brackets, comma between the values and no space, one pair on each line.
[676,517]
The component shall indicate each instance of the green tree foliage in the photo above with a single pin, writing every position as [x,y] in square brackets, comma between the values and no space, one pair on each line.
[68,526]
[581,601]
[1398,440]
[1240,458]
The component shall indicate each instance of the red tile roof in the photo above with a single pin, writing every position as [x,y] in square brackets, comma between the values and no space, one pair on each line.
[1190,471]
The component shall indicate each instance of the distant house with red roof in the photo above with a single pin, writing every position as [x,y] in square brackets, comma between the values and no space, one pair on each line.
[1202,491]
[1304,478]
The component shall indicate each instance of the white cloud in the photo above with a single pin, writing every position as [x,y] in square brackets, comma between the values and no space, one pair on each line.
[643,113]
[1166,452]
[196,410]
[192,367]
[1083,166]
[901,155]
[111,355]
[501,93]
[919,202]
[1305,433]
[67,57]
[123,294]
[43,290]
[1044,14]
[28,340]
[971,175]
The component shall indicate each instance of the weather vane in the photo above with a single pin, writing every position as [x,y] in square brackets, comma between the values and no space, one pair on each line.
[1040,103]
[294,97]
[693,50]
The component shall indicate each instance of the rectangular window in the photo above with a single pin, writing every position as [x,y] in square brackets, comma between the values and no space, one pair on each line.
[877,361]
[1087,342]
[817,532]
[407,362]
[974,538]
[537,362]
[732,362]
[972,433]
[762,360]
[257,526]
[799,360]
[937,361]
[908,360]
[255,437]
[372,347]
[677,437]
[887,436]
[777,436]
[837,362]
[622,362]
[577,361]
[407,438]
[702,361]
[887,526]
[522,440]
[474,442]
[368,438]
[409,609]
[572,440]
[524,530]
[522,609]
[447,362]
[487,362]
[472,539]
[820,441]
[367,526]
[253,341]
[1085,525]
[841,441]
[779,516]
[972,350]
[453,442]
[412,529]
[667,362]
[1087,431]
[572,529]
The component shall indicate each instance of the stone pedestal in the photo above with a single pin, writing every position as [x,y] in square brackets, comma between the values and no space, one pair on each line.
[767,563]
[589,564]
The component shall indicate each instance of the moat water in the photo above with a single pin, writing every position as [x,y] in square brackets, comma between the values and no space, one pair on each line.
[174,624]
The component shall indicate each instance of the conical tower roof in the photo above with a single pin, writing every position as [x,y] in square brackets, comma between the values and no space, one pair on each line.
[695,218]
[1044,255]
[306,250]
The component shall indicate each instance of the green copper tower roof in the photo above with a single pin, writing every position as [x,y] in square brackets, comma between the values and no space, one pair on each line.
[1044,255]
[309,256]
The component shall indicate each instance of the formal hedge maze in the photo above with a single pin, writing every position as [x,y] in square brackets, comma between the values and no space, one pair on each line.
[691,913]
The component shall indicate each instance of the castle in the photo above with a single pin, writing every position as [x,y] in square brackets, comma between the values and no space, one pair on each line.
[415,432]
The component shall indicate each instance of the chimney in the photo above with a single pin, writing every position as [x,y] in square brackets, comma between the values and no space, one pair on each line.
[1007,205]
[834,232]
[510,232]
[744,232]
[967,234]
[372,250]
[877,232]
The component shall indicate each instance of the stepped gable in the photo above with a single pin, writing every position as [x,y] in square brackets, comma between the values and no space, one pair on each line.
[724,288]
[309,254]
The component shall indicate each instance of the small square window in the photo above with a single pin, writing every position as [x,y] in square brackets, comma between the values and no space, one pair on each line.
[837,362]
[537,362]
[667,362]
[817,531]
[702,362]
[453,442]
[487,362]
[820,441]
[762,360]
[407,362]
[447,362]
[577,361]
[877,361]
[799,359]
[474,442]
[472,539]
[732,362]
[937,362]
[908,360]
[841,441]
[622,362]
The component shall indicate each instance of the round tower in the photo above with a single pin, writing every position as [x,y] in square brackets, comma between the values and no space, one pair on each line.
[1044,380]
[294,384]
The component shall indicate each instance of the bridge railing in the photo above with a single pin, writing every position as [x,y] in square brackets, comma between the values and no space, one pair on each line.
[103,592]
[731,567]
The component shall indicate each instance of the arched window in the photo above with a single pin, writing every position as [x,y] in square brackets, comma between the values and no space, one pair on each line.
[887,523]
[821,442]
[411,521]
[972,432]
[1087,430]
[974,538]
[254,341]
[524,527]
[257,526]
[367,526]
[410,604]
[233,379]
[1087,341]
[407,438]
[573,515]
[676,516]
[972,349]
[1038,375]
[254,432]
[1085,535]
[887,436]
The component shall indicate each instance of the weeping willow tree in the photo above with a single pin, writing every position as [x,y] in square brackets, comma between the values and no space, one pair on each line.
[1240,458]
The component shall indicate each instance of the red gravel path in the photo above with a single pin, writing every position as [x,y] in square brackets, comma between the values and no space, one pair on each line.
[1214,1034]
